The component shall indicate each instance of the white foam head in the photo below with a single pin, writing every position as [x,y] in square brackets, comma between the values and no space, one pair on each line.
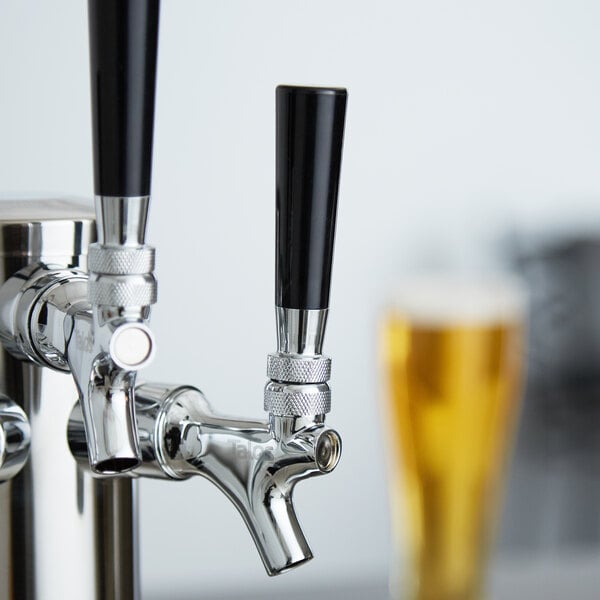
[435,299]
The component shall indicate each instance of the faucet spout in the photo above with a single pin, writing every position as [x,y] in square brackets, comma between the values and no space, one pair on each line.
[276,531]
[110,421]
[306,449]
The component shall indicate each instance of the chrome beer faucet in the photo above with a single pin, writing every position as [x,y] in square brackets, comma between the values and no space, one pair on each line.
[121,286]
[94,324]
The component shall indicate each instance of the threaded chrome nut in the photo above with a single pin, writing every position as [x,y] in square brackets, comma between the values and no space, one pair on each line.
[122,290]
[298,369]
[297,400]
[121,260]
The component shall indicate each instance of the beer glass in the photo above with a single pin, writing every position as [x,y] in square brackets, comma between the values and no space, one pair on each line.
[452,355]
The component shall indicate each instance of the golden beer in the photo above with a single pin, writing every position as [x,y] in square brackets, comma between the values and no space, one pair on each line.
[453,381]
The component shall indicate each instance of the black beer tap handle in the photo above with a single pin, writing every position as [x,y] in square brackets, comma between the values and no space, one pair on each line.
[310,131]
[123,47]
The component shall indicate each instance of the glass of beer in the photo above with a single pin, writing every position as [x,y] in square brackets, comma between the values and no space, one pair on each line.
[452,352]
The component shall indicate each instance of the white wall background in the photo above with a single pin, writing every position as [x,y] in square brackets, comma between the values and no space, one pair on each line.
[464,117]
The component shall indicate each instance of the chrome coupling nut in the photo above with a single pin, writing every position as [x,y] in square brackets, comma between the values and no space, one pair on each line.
[291,368]
[293,400]
[121,275]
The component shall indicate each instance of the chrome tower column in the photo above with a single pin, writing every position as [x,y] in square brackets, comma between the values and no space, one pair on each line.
[63,534]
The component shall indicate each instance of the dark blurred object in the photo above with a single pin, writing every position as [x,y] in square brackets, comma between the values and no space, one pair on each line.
[553,501]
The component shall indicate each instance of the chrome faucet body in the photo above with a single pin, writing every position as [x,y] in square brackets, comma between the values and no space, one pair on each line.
[255,463]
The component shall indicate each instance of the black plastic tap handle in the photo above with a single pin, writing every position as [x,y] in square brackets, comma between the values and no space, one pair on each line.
[310,132]
[123,47]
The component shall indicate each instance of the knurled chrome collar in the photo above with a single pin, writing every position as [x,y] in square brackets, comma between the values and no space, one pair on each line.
[298,369]
[121,275]
[287,400]
[121,260]
[122,290]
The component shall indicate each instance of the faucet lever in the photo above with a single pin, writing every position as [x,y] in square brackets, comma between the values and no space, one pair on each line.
[123,49]
[310,131]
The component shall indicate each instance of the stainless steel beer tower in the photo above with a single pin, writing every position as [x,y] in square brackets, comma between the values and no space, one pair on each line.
[63,533]
[76,427]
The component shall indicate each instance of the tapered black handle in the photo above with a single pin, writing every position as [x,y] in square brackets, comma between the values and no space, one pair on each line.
[123,46]
[310,132]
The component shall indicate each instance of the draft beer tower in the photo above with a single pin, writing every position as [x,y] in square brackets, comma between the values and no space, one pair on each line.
[75,301]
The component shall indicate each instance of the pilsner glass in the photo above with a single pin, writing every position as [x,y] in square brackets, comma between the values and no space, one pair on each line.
[452,356]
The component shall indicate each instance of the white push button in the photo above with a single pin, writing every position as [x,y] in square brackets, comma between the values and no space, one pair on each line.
[131,346]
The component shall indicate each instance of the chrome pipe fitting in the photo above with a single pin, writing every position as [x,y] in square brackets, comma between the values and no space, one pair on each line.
[30,328]
[15,438]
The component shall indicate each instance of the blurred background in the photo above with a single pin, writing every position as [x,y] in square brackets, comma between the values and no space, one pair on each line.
[473,139]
